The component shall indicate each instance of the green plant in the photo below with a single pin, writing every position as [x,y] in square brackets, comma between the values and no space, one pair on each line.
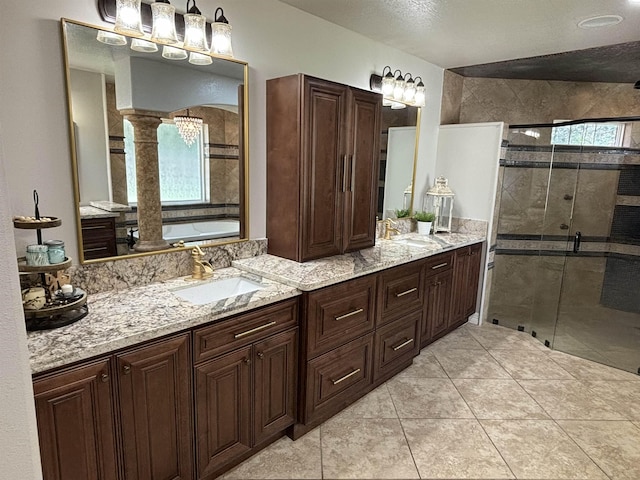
[402,213]
[424,216]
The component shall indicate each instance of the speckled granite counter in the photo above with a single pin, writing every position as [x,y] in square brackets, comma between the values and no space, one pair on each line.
[327,271]
[120,319]
[93,212]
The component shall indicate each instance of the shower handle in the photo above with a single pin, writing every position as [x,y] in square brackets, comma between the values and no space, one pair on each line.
[576,242]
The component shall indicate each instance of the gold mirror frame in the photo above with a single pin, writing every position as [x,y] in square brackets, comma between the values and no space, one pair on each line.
[244,170]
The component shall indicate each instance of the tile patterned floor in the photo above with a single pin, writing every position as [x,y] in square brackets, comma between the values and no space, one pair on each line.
[482,403]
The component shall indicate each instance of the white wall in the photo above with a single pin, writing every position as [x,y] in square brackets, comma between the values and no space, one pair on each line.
[274,38]
[92,140]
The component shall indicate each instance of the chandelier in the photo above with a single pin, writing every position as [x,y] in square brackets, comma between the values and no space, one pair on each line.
[189,127]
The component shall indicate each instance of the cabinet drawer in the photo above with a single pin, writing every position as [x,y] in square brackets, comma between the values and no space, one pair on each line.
[229,334]
[338,314]
[338,376]
[439,263]
[401,289]
[395,344]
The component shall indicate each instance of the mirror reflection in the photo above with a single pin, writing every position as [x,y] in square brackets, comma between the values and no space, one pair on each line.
[397,159]
[159,146]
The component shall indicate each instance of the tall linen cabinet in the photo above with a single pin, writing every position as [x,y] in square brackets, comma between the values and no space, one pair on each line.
[322,167]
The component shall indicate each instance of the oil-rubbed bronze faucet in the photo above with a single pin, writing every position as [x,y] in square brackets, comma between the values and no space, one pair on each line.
[388,229]
[201,268]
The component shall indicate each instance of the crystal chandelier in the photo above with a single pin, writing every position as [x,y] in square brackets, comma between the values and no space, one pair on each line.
[189,127]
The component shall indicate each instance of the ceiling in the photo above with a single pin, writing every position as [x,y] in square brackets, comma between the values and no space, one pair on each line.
[500,33]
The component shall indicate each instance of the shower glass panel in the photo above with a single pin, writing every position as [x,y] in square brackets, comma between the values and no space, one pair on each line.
[567,250]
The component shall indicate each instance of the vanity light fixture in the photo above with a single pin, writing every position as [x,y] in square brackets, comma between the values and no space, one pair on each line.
[195,37]
[221,35]
[189,127]
[128,19]
[140,45]
[164,23]
[111,38]
[397,90]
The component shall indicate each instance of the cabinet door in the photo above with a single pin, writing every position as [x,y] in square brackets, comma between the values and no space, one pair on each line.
[76,424]
[324,158]
[363,160]
[438,306]
[275,383]
[155,404]
[223,410]
[465,280]
[473,279]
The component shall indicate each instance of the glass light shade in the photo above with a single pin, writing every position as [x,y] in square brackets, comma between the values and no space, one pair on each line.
[419,98]
[386,102]
[200,59]
[173,53]
[140,45]
[189,127]
[128,19]
[409,91]
[388,83]
[397,105]
[195,37]
[221,39]
[111,38]
[398,88]
[164,23]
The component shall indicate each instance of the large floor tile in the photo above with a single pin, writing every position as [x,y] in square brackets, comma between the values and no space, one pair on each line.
[470,364]
[459,338]
[540,449]
[457,449]
[427,398]
[570,400]
[424,365]
[624,397]
[501,338]
[365,448]
[587,370]
[498,399]
[614,446]
[284,459]
[376,404]
[529,365]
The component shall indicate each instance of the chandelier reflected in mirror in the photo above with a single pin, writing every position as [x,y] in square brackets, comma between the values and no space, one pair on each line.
[189,127]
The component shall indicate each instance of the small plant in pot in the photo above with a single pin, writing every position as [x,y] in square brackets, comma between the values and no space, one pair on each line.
[402,213]
[424,220]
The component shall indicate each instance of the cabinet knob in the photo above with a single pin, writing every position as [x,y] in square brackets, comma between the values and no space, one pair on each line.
[126,369]
[260,355]
[104,377]
[247,361]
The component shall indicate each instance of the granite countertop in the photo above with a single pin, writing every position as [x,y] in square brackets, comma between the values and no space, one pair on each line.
[120,319]
[328,271]
[94,212]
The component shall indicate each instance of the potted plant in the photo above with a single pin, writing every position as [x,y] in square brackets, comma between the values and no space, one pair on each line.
[402,213]
[425,220]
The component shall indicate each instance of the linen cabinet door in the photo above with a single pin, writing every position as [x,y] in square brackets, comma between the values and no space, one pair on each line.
[438,306]
[155,410]
[363,160]
[324,117]
[76,424]
[466,273]
[275,383]
[223,410]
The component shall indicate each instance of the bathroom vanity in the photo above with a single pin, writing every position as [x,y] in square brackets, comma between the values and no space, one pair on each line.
[149,385]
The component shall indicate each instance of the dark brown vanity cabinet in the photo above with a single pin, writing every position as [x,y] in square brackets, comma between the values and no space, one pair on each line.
[245,390]
[466,274]
[84,416]
[98,238]
[322,167]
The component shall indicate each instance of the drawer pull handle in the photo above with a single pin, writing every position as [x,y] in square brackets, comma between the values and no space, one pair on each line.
[94,249]
[254,330]
[402,294]
[342,379]
[402,345]
[435,267]
[98,227]
[350,314]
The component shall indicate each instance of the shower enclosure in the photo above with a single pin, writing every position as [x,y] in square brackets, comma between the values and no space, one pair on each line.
[566,245]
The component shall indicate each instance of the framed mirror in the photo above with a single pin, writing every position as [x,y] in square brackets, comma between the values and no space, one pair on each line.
[144,182]
[398,156]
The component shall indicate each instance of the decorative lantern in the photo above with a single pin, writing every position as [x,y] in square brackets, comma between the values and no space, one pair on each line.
[406,201]
[439,200]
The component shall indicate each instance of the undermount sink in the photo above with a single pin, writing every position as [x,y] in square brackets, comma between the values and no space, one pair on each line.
[414,242]
[215,290]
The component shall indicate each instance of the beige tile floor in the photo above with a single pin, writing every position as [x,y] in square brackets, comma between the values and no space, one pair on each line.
[482,403]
